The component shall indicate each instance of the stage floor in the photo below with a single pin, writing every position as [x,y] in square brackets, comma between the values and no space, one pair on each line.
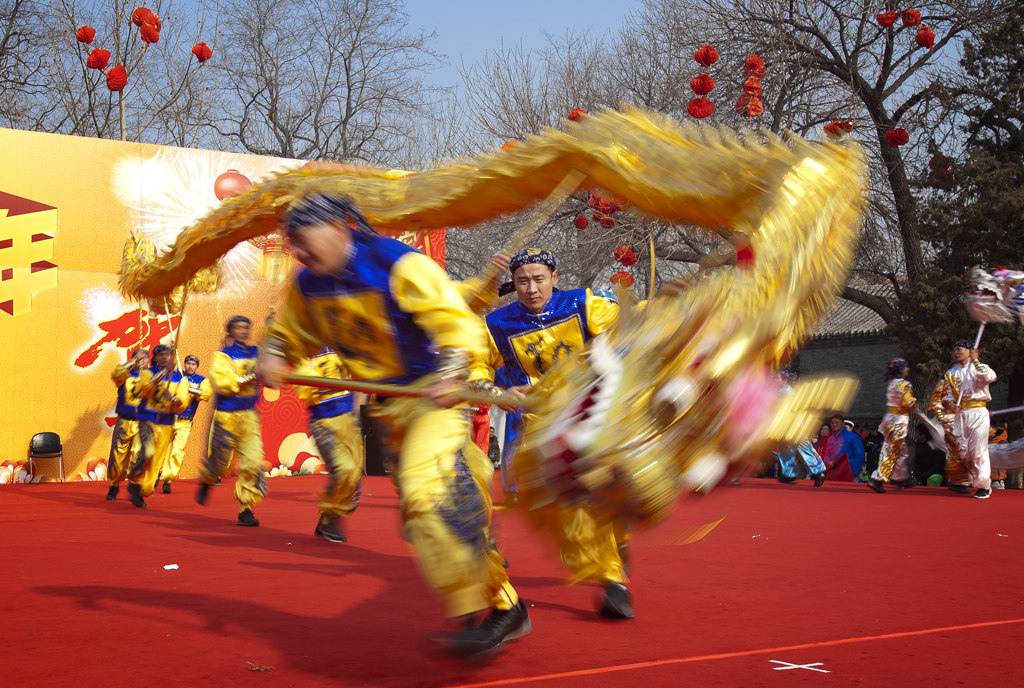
[756,585]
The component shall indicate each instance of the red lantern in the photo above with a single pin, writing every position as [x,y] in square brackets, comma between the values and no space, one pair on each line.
[117,78]
[702,84]
[594,201]
[754,66]
[141,16]
[897,137]
[577,114]
[700,108]
[911,17]
[85,34]
[752,87]
[581,222]
[607,222]
[202,52]
[98,59]
[154,19]
[622,277]
[939,162]
[925,38]
[628,258]
[230,184]
[706,56]
[836,129]
[149,33]
[618,253]
[749,105]
[887,19]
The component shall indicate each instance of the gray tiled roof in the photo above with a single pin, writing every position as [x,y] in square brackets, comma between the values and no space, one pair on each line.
[847,318]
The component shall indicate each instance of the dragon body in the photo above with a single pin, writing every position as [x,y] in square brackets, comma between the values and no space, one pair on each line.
[677,391]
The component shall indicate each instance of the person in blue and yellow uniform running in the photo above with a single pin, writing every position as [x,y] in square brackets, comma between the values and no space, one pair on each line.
[124,443]
[236,424]
[394,317]
[333,420]
[164,396]
[199,390]
[528,337]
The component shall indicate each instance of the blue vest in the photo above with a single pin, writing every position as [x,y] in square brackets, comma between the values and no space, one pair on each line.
[194,380]
[238,402]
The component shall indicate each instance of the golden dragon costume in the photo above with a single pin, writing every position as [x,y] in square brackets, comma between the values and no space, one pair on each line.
[672,394]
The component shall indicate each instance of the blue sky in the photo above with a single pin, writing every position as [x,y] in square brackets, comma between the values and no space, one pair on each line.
[468,29]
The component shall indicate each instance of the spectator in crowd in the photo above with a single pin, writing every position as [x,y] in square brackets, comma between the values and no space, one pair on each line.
[928,461]
[997,435]
[494,449]
[872,440]
[819,440]
[842,451]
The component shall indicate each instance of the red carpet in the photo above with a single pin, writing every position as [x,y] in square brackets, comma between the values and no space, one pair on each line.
[912,588]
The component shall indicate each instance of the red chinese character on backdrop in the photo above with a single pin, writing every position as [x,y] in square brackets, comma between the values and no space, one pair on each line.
[123,333]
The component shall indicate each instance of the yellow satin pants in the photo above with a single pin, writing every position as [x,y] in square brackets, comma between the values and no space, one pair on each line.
[155,443]
[172,467]
[341,448]
[124,445]
[444,483]
[237,432]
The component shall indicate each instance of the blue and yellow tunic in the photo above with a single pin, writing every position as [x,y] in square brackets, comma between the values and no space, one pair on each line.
[232,376]
[163,396]
[388,313]
[126,377]
[194,381]
[529,344]
[322,402]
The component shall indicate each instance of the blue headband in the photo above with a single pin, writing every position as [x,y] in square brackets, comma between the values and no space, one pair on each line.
[532,255]
[963,344]
[896,366]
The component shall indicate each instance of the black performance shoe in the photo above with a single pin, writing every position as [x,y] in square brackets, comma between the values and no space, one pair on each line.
[329,531]
[112,492]
[500,626]
[960,489]
[876,485]
[617,603]
[202,493]
[167,487]
[135,497]
[982,494]
[819,479]
[785,480]
[246,518]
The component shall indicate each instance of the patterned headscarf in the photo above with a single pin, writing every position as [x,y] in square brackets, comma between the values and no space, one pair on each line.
[319,208]
[159,349]
[896,367]
[963,344]
[532,255]
[193,358]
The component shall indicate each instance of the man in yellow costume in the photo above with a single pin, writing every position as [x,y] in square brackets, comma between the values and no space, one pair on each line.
[394,317]
[163,397]
[332,420]
[236,424]
[124,442]
[199,390]
[528,337]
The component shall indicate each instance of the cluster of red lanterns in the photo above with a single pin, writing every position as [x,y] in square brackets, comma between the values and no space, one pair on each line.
[835,130]
[577,114]
[701,106]
[925,37]
[601,212]
[749,103]
[149,24]
[897,137]
[939,176]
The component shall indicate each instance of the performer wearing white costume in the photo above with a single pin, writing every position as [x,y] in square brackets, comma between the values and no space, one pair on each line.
[969,379]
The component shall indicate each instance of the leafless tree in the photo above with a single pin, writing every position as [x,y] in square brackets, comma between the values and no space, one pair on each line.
[338,80]
[22,32]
